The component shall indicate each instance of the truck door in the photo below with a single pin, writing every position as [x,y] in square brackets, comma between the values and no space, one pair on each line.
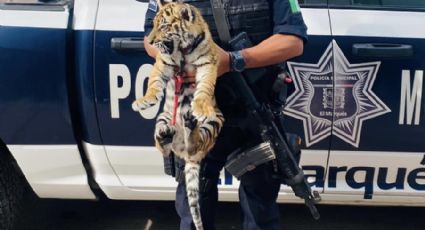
[35,75]
[309,106]
[377,147]
[121,69]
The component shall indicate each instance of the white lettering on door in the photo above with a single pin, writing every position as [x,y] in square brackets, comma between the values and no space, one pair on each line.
[117,92]
[411,98]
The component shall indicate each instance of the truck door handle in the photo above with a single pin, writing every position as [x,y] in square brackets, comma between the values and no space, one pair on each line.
[128,44]
[383,50]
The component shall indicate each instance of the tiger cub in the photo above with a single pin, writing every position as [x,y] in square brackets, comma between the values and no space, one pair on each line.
[190,121]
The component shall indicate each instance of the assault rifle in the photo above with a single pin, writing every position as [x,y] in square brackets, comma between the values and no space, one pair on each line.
[266,120]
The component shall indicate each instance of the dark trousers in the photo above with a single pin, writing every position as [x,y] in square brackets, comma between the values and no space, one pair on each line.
[257,192]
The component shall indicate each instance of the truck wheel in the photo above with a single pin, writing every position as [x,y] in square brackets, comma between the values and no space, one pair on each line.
[11,192]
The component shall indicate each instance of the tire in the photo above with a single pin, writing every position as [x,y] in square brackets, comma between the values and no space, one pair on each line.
[12,189]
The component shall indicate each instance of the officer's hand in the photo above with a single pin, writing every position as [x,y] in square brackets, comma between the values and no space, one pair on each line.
[223,66]
[224,61]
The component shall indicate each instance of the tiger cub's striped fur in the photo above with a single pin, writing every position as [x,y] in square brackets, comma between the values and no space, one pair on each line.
[185,43]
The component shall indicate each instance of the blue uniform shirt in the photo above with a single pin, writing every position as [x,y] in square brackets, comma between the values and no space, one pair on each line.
[287,18]
[150,14]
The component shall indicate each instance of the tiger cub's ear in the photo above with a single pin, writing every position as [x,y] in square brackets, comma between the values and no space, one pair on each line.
[187,14]
[164,2]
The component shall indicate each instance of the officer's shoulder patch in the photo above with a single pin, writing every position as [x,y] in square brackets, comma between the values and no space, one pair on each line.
[295,7]
[153,5]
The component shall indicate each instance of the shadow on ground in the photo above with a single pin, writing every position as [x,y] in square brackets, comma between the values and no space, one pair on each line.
[136,215]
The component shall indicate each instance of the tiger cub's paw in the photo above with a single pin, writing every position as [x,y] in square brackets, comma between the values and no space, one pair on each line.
[202,108]
[164,138]
[143,103]
[164,135]
[190,121]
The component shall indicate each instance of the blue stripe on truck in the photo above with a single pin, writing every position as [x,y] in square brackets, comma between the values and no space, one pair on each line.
[33,87]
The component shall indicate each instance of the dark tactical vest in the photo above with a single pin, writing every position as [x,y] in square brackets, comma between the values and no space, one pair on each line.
[251,16]
[254,17]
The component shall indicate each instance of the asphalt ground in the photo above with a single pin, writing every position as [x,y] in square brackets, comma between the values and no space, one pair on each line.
[140,215]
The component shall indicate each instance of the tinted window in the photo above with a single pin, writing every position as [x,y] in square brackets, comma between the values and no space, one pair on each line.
[304,3]
[400,4]
[34,2]
[19,1]
[36,5]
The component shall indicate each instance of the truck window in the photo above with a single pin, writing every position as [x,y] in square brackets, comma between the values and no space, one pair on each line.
[30,1]
[312,3]
[33,2]
[18,1]
[34,5]
[380,4]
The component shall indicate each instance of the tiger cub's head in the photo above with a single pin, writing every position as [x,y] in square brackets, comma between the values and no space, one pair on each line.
[177,27]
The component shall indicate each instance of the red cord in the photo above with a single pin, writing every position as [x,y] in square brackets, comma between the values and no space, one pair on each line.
[178,81]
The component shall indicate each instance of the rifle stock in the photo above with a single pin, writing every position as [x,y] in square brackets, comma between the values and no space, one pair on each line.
[271,131]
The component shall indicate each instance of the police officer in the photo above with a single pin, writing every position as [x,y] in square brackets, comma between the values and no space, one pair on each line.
[278,32]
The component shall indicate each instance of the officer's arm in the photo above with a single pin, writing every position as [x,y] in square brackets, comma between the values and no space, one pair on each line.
[150,49]
[150,15]
[273,50]
[290,34]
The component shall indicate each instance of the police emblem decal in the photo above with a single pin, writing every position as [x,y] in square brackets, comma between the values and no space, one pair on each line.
[342,104]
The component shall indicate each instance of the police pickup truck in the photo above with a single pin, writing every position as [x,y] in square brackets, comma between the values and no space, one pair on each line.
[69,71]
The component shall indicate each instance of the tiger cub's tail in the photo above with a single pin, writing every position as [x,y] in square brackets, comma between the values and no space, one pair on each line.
[191,171]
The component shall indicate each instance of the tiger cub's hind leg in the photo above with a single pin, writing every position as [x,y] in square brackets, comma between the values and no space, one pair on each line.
[164,133]
[192,137]
[203,135]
